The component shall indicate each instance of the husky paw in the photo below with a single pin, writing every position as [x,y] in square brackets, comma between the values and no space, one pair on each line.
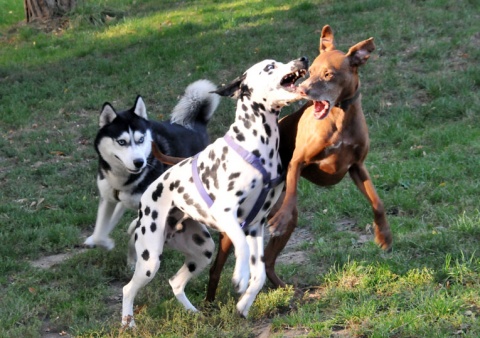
[106,243]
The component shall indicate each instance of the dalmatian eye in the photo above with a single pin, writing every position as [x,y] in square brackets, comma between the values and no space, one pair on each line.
[269,67]
[122,142]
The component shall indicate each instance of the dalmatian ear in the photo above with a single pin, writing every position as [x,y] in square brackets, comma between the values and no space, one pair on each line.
[233,89]
[107,115]
[140,108]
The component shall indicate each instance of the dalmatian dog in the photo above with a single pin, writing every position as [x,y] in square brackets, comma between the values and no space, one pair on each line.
[230,187]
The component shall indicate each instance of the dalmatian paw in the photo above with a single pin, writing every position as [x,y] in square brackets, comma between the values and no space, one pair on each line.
[240,280]
[128,322]
[106,243]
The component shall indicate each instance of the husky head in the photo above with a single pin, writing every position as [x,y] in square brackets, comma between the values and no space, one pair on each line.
[124,139]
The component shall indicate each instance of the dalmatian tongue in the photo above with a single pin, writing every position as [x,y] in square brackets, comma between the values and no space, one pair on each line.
[321,109]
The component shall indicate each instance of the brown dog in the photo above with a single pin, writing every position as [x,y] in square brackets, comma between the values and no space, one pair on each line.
[322,141]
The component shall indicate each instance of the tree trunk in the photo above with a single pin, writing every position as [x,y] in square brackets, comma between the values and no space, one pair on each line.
[47,9]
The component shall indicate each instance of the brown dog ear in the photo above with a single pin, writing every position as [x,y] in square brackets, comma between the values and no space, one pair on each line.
[326,40]
[232,89]
[360,53]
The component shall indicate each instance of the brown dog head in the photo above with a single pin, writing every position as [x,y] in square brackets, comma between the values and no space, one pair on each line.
[334,74]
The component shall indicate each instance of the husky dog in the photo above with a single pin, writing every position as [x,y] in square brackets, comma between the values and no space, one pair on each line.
[124,147]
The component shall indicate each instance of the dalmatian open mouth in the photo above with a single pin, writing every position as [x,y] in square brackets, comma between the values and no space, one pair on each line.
[288,81]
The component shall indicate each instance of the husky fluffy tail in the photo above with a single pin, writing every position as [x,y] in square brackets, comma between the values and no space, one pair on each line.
[196,105]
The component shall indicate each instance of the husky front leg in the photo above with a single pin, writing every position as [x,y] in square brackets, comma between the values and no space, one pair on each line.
[257,270]
[108,215]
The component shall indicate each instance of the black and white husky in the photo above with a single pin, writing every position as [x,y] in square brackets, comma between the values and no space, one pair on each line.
[124,147]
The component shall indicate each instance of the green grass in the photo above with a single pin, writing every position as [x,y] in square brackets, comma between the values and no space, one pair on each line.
[421,103]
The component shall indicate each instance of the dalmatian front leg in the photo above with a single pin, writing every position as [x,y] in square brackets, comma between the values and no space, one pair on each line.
[195,242]
[257,270]
[241,272]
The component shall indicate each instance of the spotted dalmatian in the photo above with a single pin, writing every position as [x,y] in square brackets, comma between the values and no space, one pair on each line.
[176,208]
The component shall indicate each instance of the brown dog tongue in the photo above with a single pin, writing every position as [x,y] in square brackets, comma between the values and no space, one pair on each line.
[321,109]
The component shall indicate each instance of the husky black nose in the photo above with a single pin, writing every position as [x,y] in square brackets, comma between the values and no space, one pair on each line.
[138,163]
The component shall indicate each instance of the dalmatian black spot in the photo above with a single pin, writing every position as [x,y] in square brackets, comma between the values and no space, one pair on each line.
[244,107]
[253,260]
[198,239]
[138,224]
[140,214]
[153,227]
[206,234]
[240,212]
[143,230]
[191,267]
[154,214]
[166,176]
[160,257]
[253,233]
[181,190]
[148,273]
[239,193]
[208,254]
[234,176]
[227,209]
[158,192]
[231,186]
[256,152]
[147,211]
[135,237]
[270,155]
[187,199]
[200,210]
[240,137]
[267,205]
[146,255]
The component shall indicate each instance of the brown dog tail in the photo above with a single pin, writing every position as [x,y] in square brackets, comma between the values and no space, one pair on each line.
[165,159]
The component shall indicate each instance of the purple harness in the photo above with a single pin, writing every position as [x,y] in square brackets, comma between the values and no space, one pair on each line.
[254,161]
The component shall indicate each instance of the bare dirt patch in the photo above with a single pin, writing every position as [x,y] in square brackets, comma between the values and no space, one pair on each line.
[48,262]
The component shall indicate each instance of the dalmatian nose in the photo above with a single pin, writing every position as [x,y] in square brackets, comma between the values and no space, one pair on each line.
[138,163]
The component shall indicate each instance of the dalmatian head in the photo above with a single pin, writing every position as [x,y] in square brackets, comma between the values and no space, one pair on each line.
[269,82]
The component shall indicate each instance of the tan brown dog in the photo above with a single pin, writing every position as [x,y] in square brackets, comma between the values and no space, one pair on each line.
[322,141]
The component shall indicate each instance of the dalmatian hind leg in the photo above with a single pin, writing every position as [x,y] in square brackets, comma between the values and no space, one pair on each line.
[185,235]
[195,242]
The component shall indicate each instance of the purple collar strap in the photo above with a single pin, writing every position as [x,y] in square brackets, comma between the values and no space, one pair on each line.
[253,161]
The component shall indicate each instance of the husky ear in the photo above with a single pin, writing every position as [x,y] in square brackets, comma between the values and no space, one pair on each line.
[360,53]
[140,108]
[232,89]
[107,115]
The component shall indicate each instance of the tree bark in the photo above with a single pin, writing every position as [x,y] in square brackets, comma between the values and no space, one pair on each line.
[47,9]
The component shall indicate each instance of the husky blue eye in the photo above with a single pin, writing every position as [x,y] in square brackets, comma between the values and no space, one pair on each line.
[122,142]
[141,139]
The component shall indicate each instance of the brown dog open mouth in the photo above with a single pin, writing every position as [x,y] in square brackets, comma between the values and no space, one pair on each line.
[321,109]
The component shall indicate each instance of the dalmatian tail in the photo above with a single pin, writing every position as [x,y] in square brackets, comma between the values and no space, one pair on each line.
[197,104]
